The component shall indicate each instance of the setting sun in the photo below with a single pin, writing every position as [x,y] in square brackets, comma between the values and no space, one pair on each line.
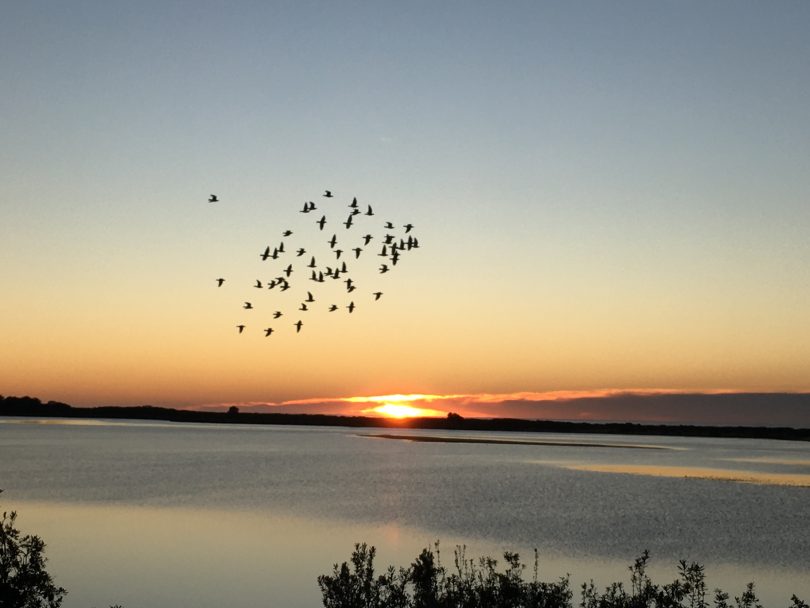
[394,410]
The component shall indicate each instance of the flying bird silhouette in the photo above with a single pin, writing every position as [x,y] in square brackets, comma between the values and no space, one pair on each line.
[213,199]
[392,247]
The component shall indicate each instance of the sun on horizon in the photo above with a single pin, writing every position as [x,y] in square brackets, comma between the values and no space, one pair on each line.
[399,411]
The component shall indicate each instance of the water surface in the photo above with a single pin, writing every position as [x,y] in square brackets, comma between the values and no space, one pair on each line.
[157,514]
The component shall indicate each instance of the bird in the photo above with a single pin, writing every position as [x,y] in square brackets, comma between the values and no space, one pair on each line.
[213,199]
[408,228]
[351,307]
[298,325]
[241,328]
[367,239]
[281,247]
[369,212]
[311,263]
[288,270]
[383,268]
[268,331]
[384,252]
[272,283]
[309,297]
[311,206]
[277,314]
[389,238]
[395,258]
[357,251]
[377,295]
[266,253]
[353,204]
[333,307]
[285,286]
[349,283]
[303,306]
[321,221]
[220,282]
[300,252]
[337,253]
[333,241]
[306,208]
[327,194]
[286,233]
[389,226]
[348,222]
[258,284]
[248,306]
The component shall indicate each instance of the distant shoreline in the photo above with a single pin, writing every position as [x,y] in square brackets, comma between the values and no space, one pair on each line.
[32,407]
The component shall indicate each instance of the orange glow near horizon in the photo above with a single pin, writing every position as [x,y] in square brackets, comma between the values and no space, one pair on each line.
[397,410]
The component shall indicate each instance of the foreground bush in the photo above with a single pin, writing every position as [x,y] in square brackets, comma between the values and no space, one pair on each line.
[24,582]
[426,583]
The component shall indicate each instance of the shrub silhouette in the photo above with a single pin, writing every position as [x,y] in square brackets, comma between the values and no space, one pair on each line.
[481,584]
[24,582]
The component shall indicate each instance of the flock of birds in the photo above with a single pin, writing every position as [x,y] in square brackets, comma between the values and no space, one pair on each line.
[324,261]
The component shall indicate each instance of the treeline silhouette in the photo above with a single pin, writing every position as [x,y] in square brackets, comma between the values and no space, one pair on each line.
[31,406]
[426,583]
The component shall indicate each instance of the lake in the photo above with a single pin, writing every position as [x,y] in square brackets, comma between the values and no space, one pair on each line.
[152,515]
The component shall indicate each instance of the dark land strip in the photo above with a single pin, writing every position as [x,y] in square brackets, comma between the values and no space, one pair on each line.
[576,444]
[33,407]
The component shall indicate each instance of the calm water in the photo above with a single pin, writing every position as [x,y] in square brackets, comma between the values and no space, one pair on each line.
[154,515]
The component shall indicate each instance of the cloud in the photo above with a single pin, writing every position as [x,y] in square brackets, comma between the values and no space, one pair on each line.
[665,406]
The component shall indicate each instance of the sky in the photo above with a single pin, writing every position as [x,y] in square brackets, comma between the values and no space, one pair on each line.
[608,197]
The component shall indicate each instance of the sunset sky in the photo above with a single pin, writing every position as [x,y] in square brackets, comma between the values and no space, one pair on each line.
[608,197]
